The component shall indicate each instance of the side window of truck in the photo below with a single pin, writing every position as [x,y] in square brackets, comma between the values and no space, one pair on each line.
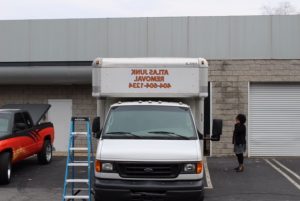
[28,119]
[19,122]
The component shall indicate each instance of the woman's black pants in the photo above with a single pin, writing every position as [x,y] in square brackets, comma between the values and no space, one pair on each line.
[240,158]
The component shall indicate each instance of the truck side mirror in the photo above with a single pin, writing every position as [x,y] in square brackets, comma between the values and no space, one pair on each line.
[96,127]
[217,130]
[200,135]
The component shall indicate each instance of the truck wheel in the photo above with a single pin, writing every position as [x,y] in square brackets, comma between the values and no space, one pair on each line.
[5,168]
[45,156]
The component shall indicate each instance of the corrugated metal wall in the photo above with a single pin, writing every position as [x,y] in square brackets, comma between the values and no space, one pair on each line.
[240,37]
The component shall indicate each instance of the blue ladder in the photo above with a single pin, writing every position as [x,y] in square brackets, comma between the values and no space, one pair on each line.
[72,165]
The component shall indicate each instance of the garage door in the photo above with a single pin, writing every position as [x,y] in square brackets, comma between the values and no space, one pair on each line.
[274,120]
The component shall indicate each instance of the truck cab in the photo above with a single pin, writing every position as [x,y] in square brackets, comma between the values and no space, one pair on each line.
[149,149]
[149,128]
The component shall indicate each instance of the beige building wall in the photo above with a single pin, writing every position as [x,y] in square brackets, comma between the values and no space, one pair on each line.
[83,104]
[230,80]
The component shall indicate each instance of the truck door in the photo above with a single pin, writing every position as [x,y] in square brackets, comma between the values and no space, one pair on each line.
[32,132]
[24,141]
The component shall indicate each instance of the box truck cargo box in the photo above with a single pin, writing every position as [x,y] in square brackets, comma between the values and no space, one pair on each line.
[150,77]
[149,128]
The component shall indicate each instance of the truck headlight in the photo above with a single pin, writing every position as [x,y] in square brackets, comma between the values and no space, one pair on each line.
[192,168]
[189,168]
[104,166]
[107,167]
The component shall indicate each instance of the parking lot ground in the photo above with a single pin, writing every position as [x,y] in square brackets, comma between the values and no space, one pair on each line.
[260,181]
[34,182]
[291,163]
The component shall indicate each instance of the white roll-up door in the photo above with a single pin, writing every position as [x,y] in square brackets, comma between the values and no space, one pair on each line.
[274,120]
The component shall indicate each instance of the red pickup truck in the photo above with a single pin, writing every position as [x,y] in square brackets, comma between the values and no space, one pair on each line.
[22,135]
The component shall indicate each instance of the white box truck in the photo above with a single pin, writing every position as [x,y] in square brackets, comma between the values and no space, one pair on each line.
[150,128]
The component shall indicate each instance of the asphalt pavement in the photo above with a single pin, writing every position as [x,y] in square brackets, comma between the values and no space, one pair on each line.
[33,182]
[260,181]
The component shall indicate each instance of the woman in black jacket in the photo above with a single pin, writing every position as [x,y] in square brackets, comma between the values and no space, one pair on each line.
[239,140]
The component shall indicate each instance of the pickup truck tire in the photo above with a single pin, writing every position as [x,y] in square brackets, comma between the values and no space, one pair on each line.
[5,168]
[45,156]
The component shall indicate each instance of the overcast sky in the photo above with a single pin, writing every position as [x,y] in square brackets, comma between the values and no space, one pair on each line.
[53,9]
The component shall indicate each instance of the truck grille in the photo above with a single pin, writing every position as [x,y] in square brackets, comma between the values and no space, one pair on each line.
[148,170]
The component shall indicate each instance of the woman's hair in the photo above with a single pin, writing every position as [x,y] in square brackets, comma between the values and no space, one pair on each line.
[241,118]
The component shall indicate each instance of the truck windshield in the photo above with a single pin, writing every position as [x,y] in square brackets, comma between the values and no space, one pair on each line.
[4,124]
[150,122]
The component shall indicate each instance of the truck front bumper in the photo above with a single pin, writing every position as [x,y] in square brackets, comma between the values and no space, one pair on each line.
[143,190]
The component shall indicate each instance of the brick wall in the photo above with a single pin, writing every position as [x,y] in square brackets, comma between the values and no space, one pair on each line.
[230,80]
[83,102]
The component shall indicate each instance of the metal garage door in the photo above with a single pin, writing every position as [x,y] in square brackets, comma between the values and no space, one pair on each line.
[274,120]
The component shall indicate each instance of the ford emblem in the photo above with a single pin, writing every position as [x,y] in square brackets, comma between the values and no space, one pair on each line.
[148,170]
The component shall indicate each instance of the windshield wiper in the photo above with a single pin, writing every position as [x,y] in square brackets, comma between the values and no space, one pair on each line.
[169,133]
[124,133]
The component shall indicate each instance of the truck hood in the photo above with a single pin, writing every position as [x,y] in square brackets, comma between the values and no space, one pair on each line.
[149,150]
[37,111]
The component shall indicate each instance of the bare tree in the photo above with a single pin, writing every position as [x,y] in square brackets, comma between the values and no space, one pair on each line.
[283,8]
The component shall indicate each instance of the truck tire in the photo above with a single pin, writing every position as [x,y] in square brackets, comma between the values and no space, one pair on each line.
[5,168]
[45,156]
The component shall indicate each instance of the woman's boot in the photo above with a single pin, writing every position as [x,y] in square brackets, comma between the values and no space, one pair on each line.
[240,168]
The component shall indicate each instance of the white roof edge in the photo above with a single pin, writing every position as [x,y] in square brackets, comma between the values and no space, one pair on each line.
[156,103]
[146,61]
